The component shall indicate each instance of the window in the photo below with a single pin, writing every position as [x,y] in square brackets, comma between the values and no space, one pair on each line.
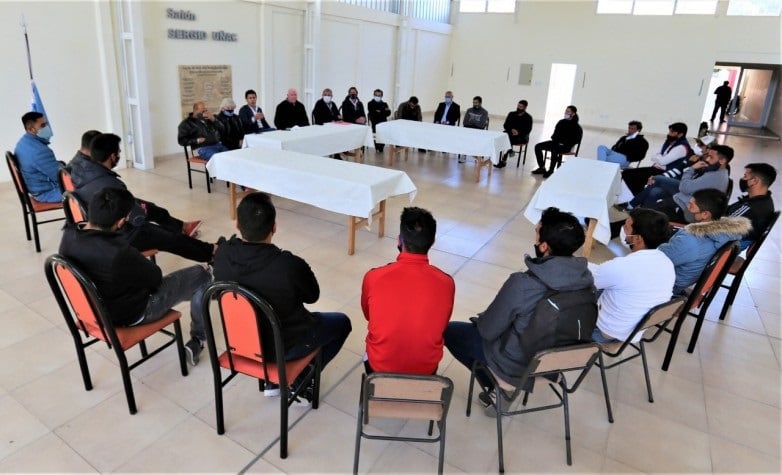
[658,7]
[490,6]
[615,6]
[653,7]
[696,7]
[755,7]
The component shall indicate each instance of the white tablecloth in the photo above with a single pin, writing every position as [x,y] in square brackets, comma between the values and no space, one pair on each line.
[320,140]
[582,186]
[349,188]
[443,138]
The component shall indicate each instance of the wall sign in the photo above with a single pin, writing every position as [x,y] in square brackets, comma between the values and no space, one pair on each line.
[201,35]
[209,83]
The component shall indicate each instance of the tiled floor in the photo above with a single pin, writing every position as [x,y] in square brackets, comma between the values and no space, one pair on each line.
[716,410]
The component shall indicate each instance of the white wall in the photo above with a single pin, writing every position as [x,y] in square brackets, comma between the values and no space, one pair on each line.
[648,68]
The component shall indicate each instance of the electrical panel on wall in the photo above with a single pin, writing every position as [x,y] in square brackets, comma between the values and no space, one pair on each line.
[525,74]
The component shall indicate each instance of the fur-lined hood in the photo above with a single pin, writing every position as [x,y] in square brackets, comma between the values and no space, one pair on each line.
[735,226]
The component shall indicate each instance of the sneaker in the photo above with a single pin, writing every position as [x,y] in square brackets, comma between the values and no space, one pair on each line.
[271,389]
[462,159]
[538,171]
[488,400]
[305,397]
[191,228]
[501,164]
[193,349]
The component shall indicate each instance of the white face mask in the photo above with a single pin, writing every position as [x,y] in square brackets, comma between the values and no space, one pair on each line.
[326,99]
[378,98]
[567,116]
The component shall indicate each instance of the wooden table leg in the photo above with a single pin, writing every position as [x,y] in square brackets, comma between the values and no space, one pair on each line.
[354,222]
[381,215]
[391,152]
[359,157]
[232,200]
[482,162]
[589,242]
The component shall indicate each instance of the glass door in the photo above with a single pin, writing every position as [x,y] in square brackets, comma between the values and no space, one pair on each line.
[752,98]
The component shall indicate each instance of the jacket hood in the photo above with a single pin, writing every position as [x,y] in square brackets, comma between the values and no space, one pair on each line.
[560,273]
[247,257]
[724,229]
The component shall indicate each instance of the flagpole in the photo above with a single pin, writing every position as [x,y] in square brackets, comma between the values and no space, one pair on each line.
[27,45]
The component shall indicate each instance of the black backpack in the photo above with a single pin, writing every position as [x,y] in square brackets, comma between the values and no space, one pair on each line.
[561,319]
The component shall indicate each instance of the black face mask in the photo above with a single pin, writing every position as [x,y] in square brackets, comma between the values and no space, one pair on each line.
[538,252]
[353,96]
[743,185]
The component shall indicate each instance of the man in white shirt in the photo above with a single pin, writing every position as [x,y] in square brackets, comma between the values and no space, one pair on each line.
[633,284]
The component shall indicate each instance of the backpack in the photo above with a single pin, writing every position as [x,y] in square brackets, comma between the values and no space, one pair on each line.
[561,319]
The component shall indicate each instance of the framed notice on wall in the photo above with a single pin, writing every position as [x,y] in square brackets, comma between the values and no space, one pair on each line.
[209,83]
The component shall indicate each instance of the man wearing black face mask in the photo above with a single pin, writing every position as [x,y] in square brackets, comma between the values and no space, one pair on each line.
[712,172]
[201,132]
[150,226]
[757,204]
[494,337]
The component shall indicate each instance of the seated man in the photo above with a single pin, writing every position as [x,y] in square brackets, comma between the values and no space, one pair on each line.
[405,338]
[86,142]
[633,284]
[201,132]
[447,112]
[90,175]
[691,248]
[233,129]
[757,204]
[353,109]
[252,116]
[325,110]
[290,112]
[284,280]
[673,153]
[37,163]
[567,133]
[378,112]
[518,125]
[628,149]
[409,110]
[133,287]
[477,117]
[495,337]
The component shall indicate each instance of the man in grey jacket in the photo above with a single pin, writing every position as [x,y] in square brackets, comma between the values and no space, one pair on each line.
[494,337]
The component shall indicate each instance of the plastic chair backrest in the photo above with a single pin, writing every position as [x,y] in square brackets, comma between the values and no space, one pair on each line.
[713,273]
[240,325]
[755,246]
[73,209]
[13,167]
[72,285]
[66,181]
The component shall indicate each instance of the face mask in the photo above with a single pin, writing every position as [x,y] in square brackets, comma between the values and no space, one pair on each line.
[567,116]
[229,113]
[697,150]
[378,98]
[448,100]
[326,99]
[623,239]
[538,252]
[476,107]
[743,185]
[353,97]
[712,167]
[45,133]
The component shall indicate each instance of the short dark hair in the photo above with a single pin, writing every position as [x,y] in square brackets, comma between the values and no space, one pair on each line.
[86,138]
[255,216]
[637,124]
[561,231]
[574,117]
[248,92]
[478,98]
[108,206]
[524,101]
[651,225]
[103,145]
[377,90]
[724,151]
[417,228]
[413,100]
[712,200]
[766,173]
[679,128]
[352,87]
[29,118]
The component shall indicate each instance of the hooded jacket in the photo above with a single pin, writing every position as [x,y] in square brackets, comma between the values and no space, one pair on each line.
[281,278]
[509,314]
[691,248]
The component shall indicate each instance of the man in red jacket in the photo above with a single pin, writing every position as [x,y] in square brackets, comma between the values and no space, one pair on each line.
[407,303]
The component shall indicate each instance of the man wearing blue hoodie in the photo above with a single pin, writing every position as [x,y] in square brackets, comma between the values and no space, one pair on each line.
[37,163]
[691,248]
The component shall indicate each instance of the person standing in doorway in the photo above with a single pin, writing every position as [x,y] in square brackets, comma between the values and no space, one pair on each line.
[723,94]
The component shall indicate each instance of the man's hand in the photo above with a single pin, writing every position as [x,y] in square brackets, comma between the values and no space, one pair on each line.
[209,116]
[361,120]
[200,140]
[514,132]
[699,164]
[650,181]
[693,158]
[259,116]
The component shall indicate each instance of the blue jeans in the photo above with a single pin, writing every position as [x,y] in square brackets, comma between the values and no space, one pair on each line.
[207,151]
[52,196]
[185,284]
[653,193]
[466,345]
[605,154]
[597,337]
[330,333]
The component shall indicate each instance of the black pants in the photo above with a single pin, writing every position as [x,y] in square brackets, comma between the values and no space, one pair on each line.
[153,236]
[722,108]
[556,149]
[161,216]
[636,178]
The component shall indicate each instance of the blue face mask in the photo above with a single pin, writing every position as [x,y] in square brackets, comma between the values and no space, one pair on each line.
[45,133]
[378,98]
[448,100]
[228,112]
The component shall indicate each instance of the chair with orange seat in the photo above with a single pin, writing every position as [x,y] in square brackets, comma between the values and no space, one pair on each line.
[191,158]
[30,206]
[84,312]
[253,342]
[74,211]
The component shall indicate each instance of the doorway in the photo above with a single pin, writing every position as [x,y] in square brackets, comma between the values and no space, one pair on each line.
[560,94]
[753,88]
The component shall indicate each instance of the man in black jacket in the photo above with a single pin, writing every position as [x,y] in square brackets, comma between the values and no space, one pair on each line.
[252,116]
[150,226]
[201,132]
[325,110]
[518,125]
[494,337]
[448,112]
[283,279]
[290,112]
[132,287]
[628,149]
[378,111]
[567,133]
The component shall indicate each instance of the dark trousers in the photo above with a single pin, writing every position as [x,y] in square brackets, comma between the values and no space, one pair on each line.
[466,345]
[161,216]
[152,236]
[329,334]
[556,149]
[722,108]
[636,178]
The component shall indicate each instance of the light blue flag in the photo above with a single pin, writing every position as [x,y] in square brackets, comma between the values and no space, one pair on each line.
[36,104]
